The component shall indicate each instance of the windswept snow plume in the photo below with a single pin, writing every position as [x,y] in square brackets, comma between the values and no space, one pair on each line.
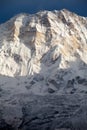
[43,72]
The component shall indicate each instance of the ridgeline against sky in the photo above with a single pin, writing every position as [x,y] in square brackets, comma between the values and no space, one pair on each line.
[9,8]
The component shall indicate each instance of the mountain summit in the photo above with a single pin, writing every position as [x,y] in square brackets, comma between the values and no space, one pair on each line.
[32,42]
[43,72]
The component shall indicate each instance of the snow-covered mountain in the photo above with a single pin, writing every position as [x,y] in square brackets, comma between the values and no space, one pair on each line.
[42,42]
[43,71]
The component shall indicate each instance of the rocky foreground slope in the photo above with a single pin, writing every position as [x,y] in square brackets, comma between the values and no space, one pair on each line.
[43,72]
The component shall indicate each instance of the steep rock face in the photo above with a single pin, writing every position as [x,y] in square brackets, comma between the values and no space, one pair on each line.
[29,42]
[43,72]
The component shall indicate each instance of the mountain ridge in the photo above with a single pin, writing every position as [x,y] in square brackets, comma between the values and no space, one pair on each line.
[23,13]
[33,32]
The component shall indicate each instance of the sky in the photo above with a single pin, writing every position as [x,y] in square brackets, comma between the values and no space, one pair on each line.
[9,8]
